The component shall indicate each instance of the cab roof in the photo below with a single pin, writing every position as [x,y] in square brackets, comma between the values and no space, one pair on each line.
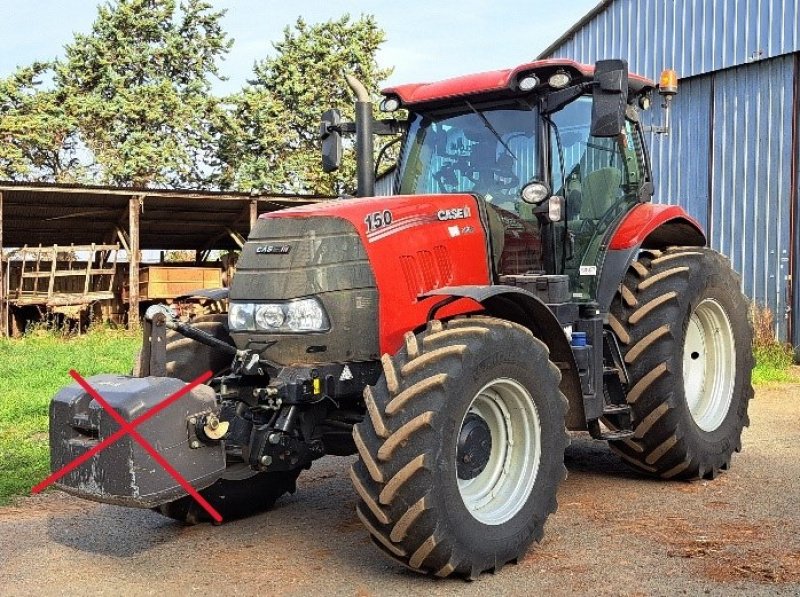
[498,81]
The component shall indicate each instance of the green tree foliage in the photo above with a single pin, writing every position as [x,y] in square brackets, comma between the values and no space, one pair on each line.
[131,103]
[139,88]
[37,136]
[269,135]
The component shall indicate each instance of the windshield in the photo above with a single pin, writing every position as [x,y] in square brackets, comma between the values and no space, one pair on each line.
[489,151]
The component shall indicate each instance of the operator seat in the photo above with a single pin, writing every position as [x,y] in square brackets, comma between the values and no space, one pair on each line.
[599,192]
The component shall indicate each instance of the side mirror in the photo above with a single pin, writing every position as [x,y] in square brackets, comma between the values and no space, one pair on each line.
[331,134]
[610,95]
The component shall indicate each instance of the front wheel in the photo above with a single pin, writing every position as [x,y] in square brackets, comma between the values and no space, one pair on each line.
[463,449]
[233,498]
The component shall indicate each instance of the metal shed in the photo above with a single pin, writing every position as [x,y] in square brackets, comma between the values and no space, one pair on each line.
[99,218]
[733,157]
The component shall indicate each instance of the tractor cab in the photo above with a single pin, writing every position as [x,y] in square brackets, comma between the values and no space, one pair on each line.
[554,149]
[512,155]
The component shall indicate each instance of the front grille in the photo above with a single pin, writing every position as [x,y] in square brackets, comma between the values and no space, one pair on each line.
[287,258]
[324,254]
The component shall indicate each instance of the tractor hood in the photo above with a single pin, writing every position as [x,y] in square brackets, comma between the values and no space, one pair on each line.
[405,210]
[367,261]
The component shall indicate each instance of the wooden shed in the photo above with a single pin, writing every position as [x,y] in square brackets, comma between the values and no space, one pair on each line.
[60,245]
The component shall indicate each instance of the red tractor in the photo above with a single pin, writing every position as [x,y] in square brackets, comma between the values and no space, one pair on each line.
[520,284]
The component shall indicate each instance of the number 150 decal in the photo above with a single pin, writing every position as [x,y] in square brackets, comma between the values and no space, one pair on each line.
[378,219]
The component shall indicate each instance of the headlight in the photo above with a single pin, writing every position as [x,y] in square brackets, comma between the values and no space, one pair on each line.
[302,315]
[240,316]
[270,316]
[306,315]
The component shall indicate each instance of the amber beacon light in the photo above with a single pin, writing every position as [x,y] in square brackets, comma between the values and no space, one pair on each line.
[668,84]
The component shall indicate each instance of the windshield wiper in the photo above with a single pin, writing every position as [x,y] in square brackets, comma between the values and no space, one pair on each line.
[492,129]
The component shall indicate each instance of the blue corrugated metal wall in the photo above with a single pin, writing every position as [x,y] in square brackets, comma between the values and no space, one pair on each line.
[795,232]
[691,36]
[751,176]
[732,129]
[731,136]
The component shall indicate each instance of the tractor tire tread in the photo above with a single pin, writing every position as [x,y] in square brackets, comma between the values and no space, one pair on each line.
[395,445]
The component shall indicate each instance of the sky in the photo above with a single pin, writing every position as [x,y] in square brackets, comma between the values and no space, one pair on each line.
[426,39]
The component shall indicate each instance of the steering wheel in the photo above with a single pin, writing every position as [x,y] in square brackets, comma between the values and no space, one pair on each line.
[508,180]
[446,177]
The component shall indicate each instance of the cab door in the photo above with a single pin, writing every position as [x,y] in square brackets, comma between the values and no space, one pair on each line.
[600,179]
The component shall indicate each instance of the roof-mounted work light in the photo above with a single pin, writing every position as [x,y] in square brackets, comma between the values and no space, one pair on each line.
[390,104]
[559,80]
[528,82]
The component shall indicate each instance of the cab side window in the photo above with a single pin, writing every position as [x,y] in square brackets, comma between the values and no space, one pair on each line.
[597,176]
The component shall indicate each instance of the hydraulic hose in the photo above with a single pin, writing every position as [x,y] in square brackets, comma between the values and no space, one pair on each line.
[202,337]
[162,311]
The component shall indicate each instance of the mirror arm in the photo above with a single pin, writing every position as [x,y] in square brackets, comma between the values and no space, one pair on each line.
[389,126]
[344,127]
[380,127]
[664,128]
[556,100]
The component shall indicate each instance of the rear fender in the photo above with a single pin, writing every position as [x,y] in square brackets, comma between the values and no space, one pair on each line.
[656,227]
[522,307]
[646,226]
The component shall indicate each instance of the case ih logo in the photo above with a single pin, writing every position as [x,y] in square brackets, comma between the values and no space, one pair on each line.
[273,249]
[457,213]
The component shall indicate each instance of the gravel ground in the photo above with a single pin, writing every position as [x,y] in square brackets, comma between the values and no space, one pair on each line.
[615,533]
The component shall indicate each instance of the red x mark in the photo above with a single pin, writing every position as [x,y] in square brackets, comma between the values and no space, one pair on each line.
[130,429]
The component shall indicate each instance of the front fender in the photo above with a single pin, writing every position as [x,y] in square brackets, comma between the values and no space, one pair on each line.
[522,307]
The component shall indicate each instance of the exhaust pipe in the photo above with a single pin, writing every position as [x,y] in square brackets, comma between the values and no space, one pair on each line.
[365,157]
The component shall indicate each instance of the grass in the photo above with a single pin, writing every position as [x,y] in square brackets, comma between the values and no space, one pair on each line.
[32,370]
[774,364]
[774,360]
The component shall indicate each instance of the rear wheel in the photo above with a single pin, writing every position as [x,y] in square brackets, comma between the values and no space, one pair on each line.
[687,342]
[463,449]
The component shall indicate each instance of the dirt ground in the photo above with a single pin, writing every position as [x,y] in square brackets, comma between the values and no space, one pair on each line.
[615,533]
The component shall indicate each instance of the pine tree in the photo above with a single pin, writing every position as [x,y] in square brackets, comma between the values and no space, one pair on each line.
[139,88]
[38,138]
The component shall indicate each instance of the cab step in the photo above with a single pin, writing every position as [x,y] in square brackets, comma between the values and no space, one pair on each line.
[608,435]
[616,409]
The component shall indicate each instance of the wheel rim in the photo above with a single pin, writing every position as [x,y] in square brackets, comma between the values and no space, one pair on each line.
[503,486]
[709,360]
